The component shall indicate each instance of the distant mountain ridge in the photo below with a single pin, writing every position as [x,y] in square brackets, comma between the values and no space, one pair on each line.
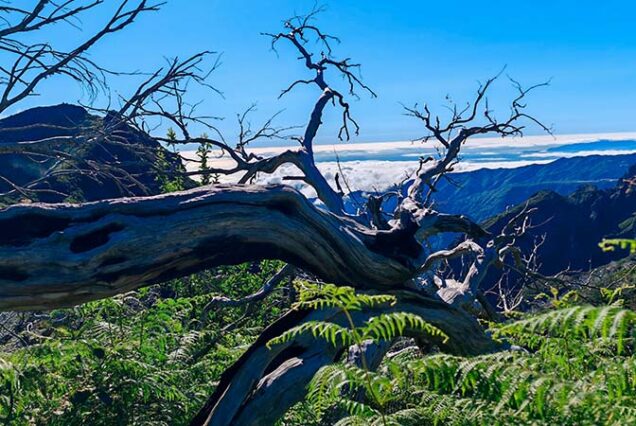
[128,156]
[575,224]
[579,201]
[484,193]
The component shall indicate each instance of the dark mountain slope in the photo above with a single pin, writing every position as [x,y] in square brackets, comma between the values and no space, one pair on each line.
[103,158]
[484,193]
[575,224]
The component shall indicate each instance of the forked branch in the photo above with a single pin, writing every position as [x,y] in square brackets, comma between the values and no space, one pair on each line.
[35,62]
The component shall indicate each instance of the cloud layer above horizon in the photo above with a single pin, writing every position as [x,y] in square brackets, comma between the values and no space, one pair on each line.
[378,166]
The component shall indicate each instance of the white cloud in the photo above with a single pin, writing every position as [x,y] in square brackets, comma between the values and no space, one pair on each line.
[377,166]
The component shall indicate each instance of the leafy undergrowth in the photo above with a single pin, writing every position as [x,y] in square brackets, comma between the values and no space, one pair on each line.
[571,366]
[152,357]
[146,357]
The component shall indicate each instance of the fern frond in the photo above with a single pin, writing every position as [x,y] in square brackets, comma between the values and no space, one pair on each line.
[330,332]
[609,322]
[388,326]
[186,346]
[313,296]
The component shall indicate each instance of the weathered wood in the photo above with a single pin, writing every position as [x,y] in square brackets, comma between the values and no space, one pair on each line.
[264,383]
[61,255]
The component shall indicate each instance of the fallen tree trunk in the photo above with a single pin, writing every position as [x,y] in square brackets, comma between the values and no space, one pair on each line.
[57,255]
[260,387]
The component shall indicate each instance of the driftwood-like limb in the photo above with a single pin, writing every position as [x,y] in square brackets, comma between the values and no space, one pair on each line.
[264,383]
[61,255]
[58,255]
[162,96]
[459,129]
[286,272]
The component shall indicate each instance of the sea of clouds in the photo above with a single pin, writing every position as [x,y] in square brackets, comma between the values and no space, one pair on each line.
[379,165]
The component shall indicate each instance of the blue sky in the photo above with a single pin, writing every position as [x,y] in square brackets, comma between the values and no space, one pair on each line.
[411,51]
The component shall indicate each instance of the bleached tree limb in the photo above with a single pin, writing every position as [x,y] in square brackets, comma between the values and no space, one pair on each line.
[61,255]
[260,386]
[35,62]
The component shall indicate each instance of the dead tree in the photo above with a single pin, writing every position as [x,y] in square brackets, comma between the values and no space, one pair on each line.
[54,255]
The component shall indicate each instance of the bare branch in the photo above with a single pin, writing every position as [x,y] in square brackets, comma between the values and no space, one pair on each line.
[36,62]
[286,272]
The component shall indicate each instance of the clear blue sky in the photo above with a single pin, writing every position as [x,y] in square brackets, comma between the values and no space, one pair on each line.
[411,51]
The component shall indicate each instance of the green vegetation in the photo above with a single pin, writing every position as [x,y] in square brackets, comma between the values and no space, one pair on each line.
[146,357]
[203,153]
[572,366]
[344,299]
[624,243]
[167,179]
[154,356]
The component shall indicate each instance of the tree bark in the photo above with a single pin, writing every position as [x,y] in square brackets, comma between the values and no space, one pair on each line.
[59,255]
[56,255]
[260,387]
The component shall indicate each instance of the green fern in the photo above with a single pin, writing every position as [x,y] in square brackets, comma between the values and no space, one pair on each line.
[383,327]
[331,382]
[388,326]
[611,323]
[578,368]
[312,296]
[332,333]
